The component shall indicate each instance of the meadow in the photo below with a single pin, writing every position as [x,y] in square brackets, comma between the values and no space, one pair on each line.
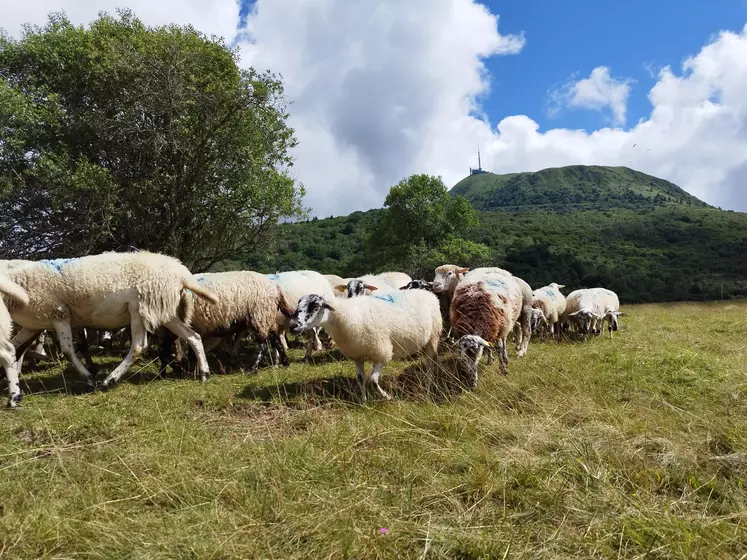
[626,448]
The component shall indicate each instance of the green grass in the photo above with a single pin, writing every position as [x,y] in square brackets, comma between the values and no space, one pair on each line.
[632,447]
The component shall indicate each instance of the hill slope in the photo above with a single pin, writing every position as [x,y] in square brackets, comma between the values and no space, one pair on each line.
[571,188]
[657,249]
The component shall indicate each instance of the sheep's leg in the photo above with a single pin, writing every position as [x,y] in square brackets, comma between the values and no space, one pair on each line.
[431,357]
[85,351]
[165,350]
[38,352]
[375,372]
[65,336]
[211,343]
[281,356]
[283,341]
[317,341]
[525,324]
[262,342]
[181,330]
[361,374]
[503,354]
[8,361]
[139,341]
[23,339]
[309,347]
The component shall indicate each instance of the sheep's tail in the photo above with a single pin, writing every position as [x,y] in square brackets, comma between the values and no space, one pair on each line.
[13,290]
[186,308]
[199,291]
[283,305]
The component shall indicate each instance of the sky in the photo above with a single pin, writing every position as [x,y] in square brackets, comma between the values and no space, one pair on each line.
[381,90]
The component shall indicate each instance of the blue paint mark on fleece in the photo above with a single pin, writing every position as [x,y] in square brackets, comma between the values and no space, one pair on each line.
[273,277]
[549,292]
[497,284]
[57,264]
[385,297]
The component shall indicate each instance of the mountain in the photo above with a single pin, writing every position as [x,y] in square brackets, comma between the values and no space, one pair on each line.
[643,237]
[575,187]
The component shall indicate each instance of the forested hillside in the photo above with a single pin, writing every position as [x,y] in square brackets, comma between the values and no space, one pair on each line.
[666,246]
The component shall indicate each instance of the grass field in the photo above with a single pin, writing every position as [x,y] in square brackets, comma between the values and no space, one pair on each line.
[631,447]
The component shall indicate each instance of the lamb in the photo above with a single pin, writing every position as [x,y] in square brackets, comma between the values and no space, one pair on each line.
[13,294]
[610,308]
[248,301]
[379,328]
[295,284]
[487,306]
[583,308]
[551,304]
[106,291]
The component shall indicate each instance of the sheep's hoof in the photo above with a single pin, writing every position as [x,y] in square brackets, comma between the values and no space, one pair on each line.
[203,378]
[101,387]
[14,402]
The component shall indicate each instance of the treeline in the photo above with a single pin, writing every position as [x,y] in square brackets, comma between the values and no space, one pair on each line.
[669,253]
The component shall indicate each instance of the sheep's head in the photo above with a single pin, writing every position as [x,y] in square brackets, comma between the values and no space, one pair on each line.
[418,285]
[586,318]
[311,312]
[355,287]
[538,318]
[556,286]
[471,348]
[612,316]
[447,278]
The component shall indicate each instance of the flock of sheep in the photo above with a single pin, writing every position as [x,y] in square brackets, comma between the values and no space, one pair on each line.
[374,318]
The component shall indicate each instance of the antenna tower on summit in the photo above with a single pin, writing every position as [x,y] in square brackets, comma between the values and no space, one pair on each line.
[479,169]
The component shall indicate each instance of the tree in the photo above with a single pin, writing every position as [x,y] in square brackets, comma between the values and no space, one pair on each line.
[420,224]
[122,135]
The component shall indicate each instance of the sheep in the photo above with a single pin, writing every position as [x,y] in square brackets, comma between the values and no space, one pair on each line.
[14,294]
[487,306]
[248,301]
[610,308]
[418,285]
[379,328]
[296,284]
[583,309]
[551,304]
[448,277]
[396,279]
[105,291]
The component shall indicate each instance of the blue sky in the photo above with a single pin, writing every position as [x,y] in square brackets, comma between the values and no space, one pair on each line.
[579,35]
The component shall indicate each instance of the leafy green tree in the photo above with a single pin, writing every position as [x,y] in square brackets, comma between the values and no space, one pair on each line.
[122,135]
[419,218]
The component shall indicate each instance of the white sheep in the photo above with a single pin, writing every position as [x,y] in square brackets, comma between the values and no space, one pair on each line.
[550,302]
[379,328]
[247,302]
[105,291]
[13,295]
[583,309]
[609,304]
[295,284]
[487,306]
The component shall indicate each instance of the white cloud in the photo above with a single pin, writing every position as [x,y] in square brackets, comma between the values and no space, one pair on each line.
[599,91]
[381,90]
[218,17]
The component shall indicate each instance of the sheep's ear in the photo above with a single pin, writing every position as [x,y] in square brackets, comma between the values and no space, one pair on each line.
[369,287]
[403,288]
[462,270]
[561,286]
[325,305]
[574,314]
[341,287]
[619,313]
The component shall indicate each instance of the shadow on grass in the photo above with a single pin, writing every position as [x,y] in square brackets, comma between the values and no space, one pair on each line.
[410,385]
